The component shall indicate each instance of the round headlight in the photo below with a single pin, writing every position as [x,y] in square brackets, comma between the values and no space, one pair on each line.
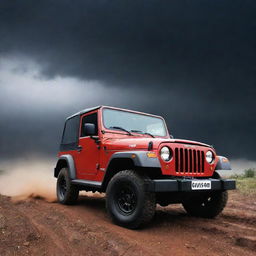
[165,153]
[209,156]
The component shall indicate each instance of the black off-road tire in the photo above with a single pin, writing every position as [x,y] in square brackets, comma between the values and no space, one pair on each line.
[207,206]
[128,203]
[67,193]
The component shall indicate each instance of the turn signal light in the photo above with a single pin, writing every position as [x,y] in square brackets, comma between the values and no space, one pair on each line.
[151,155]
[225,160]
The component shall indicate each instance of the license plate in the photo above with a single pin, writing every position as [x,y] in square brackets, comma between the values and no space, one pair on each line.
[201,184]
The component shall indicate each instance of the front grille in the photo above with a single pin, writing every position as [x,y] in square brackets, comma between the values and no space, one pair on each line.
[189,161]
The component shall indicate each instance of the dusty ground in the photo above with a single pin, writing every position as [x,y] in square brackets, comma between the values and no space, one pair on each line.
[36,227]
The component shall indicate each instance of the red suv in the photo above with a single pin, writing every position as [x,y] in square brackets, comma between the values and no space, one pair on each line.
[132,158]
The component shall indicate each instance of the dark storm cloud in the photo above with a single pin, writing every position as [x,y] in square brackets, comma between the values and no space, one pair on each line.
[196,58]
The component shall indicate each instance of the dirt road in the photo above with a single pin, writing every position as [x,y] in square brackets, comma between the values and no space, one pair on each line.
[36,227]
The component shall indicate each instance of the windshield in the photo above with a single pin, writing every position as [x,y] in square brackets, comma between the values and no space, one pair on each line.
[132,122]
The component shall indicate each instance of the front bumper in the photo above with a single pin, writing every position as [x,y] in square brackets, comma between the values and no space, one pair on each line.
[184,185]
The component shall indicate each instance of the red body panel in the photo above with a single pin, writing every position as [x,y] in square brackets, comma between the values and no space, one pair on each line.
[91,162]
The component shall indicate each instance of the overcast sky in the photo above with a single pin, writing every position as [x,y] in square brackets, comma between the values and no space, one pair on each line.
[193,62]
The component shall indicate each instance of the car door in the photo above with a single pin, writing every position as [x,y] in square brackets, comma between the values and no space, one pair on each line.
[88,154]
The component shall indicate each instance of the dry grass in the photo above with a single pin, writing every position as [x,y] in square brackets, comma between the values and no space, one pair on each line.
[246,183]
[246,186]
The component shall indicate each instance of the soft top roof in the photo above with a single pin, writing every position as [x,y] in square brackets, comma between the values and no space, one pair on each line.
[97,107]
[84,111]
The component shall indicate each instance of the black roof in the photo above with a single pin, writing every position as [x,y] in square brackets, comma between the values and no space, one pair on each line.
[84,111]
[97,107]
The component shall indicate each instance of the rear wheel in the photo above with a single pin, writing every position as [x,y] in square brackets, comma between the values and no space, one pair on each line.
[67,193]
[208,205]
[127,202]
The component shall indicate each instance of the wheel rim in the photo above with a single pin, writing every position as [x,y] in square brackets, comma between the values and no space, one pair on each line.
[126,200]
[207,201]
[62,187]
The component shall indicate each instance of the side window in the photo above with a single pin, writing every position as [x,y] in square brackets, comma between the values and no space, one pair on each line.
[70,133]
[92,119]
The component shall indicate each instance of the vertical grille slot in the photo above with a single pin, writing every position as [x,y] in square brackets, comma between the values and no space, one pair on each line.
[186,160]
[181,160]
[194,159]
[202,159]
[176,159]
[189,161]
[198,161]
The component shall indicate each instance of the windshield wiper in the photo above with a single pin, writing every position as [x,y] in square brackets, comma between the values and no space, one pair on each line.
[146,133]
[121,129]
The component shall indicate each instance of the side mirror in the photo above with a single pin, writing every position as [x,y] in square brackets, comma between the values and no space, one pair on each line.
[89,129]
[171,136]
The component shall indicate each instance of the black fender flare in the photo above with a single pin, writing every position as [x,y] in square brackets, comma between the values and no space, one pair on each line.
[223,164]
[70,164]
[139,158]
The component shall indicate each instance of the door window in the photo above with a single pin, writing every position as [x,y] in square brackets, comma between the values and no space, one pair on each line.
[92,119]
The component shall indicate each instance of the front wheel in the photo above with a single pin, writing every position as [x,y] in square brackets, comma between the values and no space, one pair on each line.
[206,205]
[67,193]
[127,202]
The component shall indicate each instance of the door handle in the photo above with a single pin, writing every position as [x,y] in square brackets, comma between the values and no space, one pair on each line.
[79,148]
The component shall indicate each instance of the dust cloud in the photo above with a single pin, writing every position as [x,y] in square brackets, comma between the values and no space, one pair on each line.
[31,178]
[23,179]
[238,167]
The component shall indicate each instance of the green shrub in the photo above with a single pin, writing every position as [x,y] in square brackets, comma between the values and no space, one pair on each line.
[249,173]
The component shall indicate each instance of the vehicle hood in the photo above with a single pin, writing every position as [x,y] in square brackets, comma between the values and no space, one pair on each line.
[141,143]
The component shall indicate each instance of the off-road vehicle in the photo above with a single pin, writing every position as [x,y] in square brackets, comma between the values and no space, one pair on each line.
[132,158]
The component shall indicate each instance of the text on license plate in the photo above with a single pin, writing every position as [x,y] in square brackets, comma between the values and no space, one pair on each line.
[201,184]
